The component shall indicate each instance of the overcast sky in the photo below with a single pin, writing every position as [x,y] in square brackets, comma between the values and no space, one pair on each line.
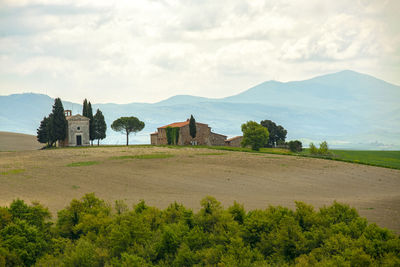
[148,50]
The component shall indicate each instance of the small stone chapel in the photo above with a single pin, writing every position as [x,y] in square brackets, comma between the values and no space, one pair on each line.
[78,130]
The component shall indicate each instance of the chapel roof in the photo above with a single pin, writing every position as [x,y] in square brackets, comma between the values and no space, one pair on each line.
[77,117]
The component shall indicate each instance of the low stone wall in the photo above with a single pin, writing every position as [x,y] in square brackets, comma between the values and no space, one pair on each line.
[217,139]
[235,142]
[153,139]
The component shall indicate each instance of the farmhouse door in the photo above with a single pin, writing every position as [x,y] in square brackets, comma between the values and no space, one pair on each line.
[78,140]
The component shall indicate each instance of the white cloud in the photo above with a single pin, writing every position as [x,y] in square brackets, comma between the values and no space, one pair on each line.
[125,51]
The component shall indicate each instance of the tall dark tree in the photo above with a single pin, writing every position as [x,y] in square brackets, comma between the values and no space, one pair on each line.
[58,123]
[127,125]
[43,131]
[90,116]
[192,126]
[277,133]
[50,132]
[99,126]
[85,108]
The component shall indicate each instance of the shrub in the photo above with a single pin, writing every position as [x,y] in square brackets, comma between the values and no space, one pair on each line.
[323,148]
[295,146]
[313,149]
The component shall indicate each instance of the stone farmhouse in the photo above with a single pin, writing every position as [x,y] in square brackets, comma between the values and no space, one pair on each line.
[77,131]
[204,135]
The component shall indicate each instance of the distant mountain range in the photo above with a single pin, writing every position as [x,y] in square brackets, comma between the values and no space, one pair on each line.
[347,109]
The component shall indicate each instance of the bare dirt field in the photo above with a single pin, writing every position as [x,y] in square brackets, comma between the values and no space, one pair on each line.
[18,142]
[256,180]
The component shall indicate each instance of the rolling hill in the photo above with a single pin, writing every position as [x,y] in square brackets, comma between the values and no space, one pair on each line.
[348,109]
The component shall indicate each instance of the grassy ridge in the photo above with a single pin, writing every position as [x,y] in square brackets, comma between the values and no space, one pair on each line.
[387,159]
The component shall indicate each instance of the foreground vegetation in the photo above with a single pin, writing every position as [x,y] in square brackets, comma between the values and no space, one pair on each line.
[89,232]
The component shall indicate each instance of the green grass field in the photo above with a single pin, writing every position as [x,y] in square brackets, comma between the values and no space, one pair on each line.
[387,159]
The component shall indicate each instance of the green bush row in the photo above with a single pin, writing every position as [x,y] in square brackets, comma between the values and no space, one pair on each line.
[90,232]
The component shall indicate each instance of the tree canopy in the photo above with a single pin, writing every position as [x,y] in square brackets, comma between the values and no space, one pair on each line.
[254,135]
[99,126]
[277,134]
[127,125]
[91,232]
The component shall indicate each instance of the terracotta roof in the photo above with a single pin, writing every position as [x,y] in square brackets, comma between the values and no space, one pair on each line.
[175,124]
[233,138]
[77,116]
[218,134]
[179,124]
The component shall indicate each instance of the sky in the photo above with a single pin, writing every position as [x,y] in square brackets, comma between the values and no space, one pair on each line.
[149,50]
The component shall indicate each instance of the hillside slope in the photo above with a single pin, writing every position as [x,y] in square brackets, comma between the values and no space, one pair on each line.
[18,142]
[348,109]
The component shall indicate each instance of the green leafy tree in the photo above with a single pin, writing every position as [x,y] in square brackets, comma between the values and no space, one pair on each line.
[323,148]
[127,125]
[43,131]
[99,126]
[58,123]
[313,149]
[82,254]
[192,126]
[277,134]
[254,135]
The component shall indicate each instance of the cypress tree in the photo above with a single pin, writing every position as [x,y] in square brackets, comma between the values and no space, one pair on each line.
[42,131]
[85,108]
[90,116]
[50,133]
[192,126]
[58,125]
[99,126]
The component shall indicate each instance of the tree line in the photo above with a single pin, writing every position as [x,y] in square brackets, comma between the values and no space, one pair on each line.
[267,134]
[53,128]
[92,232]
[97,124]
